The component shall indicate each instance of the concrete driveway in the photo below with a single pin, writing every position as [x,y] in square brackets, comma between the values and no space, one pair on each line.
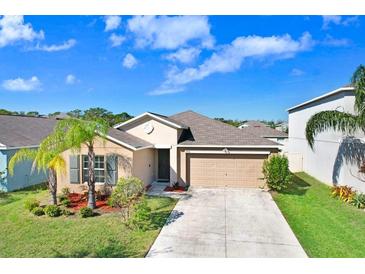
[226,222]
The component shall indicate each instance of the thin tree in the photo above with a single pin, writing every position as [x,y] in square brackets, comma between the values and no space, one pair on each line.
[73,133]
[345,122]
[45,158]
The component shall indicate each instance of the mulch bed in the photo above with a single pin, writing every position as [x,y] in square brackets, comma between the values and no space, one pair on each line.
[79,200]
[175,189]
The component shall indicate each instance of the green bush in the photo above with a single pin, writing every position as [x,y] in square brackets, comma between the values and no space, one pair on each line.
[86,212]
[66,202]
[66,212]
[52,211]
[38,211]
[358,200]
[125,194]
[276,172]
[62,197]
[31,203]
[141,217]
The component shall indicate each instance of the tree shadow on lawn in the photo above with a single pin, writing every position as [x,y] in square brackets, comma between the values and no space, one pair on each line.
[297,187]
[112,249]
[159,219]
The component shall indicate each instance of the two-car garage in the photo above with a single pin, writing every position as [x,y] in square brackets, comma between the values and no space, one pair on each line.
[233,170]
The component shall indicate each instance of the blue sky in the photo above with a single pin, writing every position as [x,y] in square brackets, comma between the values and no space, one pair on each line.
[239,67]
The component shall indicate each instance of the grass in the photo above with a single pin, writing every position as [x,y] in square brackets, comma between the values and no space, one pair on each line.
[25,235]
[325,226]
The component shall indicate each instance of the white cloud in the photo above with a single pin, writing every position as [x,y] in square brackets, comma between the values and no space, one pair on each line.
[52,48]
[20,84]
[13,29]
[333,42]
[170,32]
[184,55]
[129,61]
[338,20]
[71,79]
[297,72]
[112,22]
[116,40]
[230,57]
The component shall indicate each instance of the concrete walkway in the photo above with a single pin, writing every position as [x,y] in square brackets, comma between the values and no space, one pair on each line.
[226,222]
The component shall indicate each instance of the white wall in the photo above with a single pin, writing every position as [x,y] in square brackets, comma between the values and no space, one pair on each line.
[336,157]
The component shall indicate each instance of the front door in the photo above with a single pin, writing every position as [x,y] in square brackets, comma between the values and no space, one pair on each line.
[163,164]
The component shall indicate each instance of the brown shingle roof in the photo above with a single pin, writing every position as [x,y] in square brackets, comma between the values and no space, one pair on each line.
[206,131]
[127,138]
[260,129]
[20,131]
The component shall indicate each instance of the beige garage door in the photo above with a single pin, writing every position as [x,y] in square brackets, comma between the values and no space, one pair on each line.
[234,170]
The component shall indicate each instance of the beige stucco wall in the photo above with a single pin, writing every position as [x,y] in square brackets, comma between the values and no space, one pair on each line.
[125,162]
[144,165]
[182,171]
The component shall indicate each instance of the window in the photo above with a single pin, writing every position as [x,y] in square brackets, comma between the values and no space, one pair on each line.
[99,168]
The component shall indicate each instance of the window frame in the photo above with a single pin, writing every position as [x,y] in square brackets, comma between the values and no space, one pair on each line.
[85,159]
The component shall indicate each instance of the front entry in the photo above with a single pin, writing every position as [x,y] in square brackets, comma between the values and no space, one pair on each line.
[163,165]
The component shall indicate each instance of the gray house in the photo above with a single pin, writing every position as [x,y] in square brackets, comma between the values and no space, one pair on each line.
[18,132]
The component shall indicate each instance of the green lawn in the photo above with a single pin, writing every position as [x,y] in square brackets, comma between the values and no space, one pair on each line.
[325,226]
[25,235]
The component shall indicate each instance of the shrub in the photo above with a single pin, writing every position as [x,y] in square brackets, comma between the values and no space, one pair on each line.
[66,202]
[125,194]
[66,212]
[276,172]
[86,212]
[62,198]
[31,203]
[141,217]
[52,211]
[358,200]
[345,193]
[38,211]
[65,191]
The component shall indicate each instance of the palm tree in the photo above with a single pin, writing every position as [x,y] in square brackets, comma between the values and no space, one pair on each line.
[341,121]
[71,134]
[46,159]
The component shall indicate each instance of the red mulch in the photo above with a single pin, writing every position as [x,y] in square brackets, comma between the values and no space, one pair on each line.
[173,189]
[79,200]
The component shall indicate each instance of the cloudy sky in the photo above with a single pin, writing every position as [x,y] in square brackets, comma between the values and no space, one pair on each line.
[245,67]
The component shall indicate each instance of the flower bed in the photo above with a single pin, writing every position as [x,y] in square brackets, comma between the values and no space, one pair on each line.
[174,189]
[79,200]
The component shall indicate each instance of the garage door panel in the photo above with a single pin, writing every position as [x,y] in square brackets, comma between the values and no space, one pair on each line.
[225,170]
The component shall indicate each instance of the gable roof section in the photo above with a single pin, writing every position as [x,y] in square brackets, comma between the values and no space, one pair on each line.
[328,94]
[22,131]
[168,120]
[260,129]
[204,131]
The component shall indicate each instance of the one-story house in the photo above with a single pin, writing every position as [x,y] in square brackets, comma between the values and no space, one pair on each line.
[18,132]
[186,148]
[336,158]
[260,129]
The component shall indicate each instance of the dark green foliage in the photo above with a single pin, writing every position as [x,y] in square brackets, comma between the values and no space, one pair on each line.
[66,212]
[358,200]
[341,121]
[141,217]
[276,172]
[31,203]
[66,202]
[86,212]
[38,211]
[52,211]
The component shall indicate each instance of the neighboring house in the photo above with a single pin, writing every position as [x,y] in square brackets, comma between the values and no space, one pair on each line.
[187,148]
[263,130]
[336,158]
[282,127]
[18,132]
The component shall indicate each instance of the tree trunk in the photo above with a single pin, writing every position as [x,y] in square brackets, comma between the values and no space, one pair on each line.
[52,185]
[91,183]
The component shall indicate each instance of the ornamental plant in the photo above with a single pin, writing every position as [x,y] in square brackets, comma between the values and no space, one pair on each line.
[276,172]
